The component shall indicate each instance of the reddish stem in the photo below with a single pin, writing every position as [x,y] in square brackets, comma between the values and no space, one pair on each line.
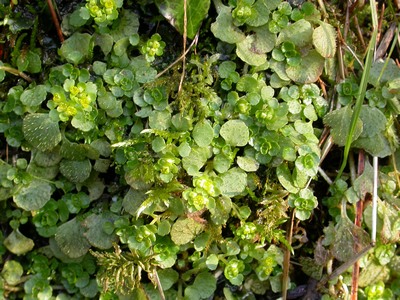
[357,222]
[55,20]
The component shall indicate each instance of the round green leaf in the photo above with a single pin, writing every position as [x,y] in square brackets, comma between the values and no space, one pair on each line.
[159,120]
[76,171]
[339,121]
[41,131]
[168,277]
[248,164]
[195,160]
[234,182]
[95,233]
[248,52]
[224,29]
[212,262]
[203,133]
[235,133]
[173,11]
[309,69]
[203,287]
[77,48]
[185,230]
[12,272]
[70,239]
[299,33]
[221,163]
[33,196]
[17,243]
[35,96]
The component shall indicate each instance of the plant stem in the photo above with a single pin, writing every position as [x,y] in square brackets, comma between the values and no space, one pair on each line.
[286,259]
[55,20]
[16,73]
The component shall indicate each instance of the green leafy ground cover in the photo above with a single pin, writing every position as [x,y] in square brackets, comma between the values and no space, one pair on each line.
[120,180]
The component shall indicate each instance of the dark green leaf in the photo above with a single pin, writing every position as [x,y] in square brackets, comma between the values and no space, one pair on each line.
[70,238]
[33,196]
[339,122]
[173,11]
[76,171]
[41,131]
[95,234]
[77,48]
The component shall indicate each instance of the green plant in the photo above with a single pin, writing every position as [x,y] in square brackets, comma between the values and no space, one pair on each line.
[120,180]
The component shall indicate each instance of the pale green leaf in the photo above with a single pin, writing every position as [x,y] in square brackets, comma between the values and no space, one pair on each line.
[260,14]
[234,182]
[12,272]
[17,243]
[235,133]
[285,178]
[212,262]
[224,29]
[324,40]
[127,25]
[265,40]
[248,164]
[102,146]
[309,69]
[46,159]
[160,120]
[248,52]
[184,230]
[299,33]
[364,183]
[70,239]
[41,131]
[203,133]
[221,163]
[339,122]
[33,196]
[195,160]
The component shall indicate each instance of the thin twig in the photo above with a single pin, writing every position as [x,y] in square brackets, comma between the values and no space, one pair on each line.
[180,57]
[357,222]
[55,20]
[374,201]
[359,33]
[286,259]
[16,73]
[184,45]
